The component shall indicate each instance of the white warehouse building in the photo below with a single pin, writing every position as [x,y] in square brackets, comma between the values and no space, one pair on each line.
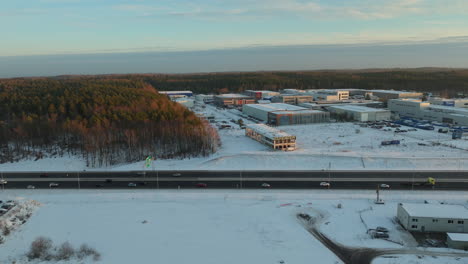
[427,111]
[260,111]
[361,113]
[433,217]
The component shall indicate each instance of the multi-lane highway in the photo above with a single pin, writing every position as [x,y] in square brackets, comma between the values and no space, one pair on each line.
[452,180]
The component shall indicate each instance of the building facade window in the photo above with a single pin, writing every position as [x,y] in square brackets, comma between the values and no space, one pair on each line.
[414,226]
[435,220]
[414,220]
[461,222]
[450,221]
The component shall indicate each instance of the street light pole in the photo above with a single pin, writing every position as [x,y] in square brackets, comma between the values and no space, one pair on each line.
[79,186]
[240,178]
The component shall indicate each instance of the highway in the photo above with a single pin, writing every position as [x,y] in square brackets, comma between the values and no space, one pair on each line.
[451,180]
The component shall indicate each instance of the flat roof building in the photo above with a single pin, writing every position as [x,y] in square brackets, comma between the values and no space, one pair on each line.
[426,111]
[433,217]
[177,93]
[294,99]
[386,95]
[360,113]
[298,117]
[258,95]
[457,241]
[260,111]
[329,95]
[232,99]
[271,137]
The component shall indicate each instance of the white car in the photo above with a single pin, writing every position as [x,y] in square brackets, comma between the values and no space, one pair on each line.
[176,175]
[384,186]
[265,185]
[53,184]
[31,187]
[325,184]
[132,184]
[2,181]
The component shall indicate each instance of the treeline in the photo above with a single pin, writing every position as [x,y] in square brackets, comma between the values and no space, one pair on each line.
[105,120]
[444,82]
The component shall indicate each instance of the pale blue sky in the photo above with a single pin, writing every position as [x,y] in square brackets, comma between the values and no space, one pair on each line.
[40,27]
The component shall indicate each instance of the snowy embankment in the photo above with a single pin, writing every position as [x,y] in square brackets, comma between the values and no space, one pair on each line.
[335,146]
[213,226]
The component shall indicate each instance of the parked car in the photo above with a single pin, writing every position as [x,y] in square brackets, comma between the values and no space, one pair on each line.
[265,185]
[30,187]
[132,184]
[201,185]
[53,185]
[325,184]
[384,186]
[381,229]
[3,181]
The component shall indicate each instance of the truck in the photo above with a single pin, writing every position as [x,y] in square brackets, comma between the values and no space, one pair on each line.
[390,142]
[429,182]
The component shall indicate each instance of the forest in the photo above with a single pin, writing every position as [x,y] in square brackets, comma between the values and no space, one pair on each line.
[105,121]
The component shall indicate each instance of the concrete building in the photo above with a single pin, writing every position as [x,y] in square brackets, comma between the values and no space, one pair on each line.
[206,98]
[425,111]
[271,137]
[232,99]
[177,94]
[360,113]
[329,95]
[292,91]
[258,95]
[385,95]
[457,241]
[260,111]
[461,103]
[306,116]
[433,217]
[294,99]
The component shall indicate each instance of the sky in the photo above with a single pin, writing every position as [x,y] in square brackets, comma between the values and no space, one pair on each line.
[64,27]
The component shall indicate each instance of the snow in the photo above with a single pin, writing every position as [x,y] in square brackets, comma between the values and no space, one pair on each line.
[436,210]
[458,236]
[418,259]
[335,146]
[214,226]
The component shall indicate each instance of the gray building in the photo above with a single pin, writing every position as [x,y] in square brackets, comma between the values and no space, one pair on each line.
[361,113]
[433,217]
[457,241]
[260,111]
[294,99]
[283,118]
[385,95]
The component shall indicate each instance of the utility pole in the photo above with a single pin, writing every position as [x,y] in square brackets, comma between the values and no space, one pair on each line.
[79,186]
[329,176]
[240,178]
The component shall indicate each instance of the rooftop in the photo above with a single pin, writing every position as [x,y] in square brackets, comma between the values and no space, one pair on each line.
[358,108]
[306,111]
[452,109]
[232,96]
[268,131]
[436,210]
[393,92]
[458,236]
[275,107]
[173,92]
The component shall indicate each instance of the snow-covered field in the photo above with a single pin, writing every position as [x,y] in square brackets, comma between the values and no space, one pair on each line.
[335,146]
[214,226]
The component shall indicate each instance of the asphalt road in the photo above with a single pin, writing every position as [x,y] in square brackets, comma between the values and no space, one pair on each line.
[452,180]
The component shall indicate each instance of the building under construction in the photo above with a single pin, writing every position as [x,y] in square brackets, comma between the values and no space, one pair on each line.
[271,137]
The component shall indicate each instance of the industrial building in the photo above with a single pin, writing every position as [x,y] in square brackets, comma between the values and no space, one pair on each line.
[294,99]
[385,95]
[457,241]
[433,217]
[306,116]
[232,99]
[361,113]
[425,111]
[185,102]
[260,111]
[329,95]
[462,103]
[177,94]
[206,98]
[258,95]
[271,137]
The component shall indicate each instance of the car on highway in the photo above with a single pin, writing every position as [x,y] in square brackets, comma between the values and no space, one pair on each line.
[265,185]
[176,174]
[3,181]
[132,184]
[30,187]
[43,175]
[141,174]
[201,185]
[53,185]
[384,186]
[325,184]
[109,180]
[99,185]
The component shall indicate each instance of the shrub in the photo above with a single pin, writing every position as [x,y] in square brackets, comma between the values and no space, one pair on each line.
[86,251]
[40,248]
[65,252]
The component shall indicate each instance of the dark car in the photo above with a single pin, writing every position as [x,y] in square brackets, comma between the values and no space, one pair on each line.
[201,185]
[109,180]
[43,175]
[99,185]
